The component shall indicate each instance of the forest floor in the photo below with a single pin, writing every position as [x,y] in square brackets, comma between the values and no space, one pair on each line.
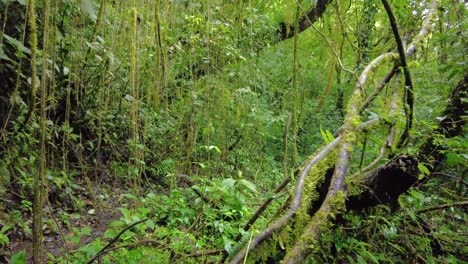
[95,216]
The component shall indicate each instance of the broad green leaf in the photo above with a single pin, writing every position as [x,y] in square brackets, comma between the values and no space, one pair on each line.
[228,183]
[86,231]
[249,185]
[125,212]
[18,258]
[330,136]
[215,148]
[452,159]
[4,240]
[326,135]
[361,260]
[88,7]
[89,250]
[75,239]
[423,169]
[17,44]
[150,223]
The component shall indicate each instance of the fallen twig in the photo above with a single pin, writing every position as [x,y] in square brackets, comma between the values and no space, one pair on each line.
[442,206]
[102,251]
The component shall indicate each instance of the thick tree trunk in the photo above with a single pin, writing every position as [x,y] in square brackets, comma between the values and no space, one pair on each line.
[386,183]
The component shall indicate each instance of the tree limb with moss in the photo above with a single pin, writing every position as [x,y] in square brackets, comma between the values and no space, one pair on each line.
[335,198]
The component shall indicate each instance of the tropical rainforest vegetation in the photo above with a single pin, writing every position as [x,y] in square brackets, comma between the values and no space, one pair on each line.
[242,131]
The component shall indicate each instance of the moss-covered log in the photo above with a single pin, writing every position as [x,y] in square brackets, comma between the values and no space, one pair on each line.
[386,183]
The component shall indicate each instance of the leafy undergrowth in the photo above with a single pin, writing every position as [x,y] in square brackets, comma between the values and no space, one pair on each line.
[195,224]
[182,225]
[405,236]
[423,229]
[179,226]
[175,227]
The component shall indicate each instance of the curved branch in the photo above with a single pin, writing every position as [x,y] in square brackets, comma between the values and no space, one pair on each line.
[287,31]
[331,204]
[409,89]
[297,197]
[103,250]
[423,32]
[338,185]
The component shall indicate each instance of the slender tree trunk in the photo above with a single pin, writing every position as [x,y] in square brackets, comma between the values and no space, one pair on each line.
[39,180]
[295,96]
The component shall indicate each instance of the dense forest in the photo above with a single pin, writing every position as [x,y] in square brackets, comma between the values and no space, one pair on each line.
[242,131]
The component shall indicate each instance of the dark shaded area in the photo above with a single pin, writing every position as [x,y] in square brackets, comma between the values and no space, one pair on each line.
[386,183]
[9,61]
[322,190]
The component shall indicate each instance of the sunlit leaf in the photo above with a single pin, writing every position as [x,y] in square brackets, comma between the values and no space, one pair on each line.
[249,185]
[89,8]
[18,258]
[228,183]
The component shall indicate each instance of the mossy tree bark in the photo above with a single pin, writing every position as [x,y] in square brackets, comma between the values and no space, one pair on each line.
[40,186]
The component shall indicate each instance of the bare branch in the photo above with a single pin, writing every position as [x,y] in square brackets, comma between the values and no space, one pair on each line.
[409,89]
[442,206]
[287,31]
[423,32]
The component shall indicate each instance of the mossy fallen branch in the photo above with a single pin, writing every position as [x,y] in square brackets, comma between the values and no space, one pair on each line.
[337,192]
[321,154]
[442,206]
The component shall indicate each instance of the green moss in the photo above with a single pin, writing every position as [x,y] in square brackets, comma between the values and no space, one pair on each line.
[289,13]
[287,237]
[338,202]
[315,177]
[355,186]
